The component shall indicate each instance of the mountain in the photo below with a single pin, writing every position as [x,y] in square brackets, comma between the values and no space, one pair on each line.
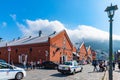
[102,45]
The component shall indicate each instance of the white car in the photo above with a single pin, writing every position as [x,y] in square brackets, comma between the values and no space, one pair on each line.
[70,67]
[8,71]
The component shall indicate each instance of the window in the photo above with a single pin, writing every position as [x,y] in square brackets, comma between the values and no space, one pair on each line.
[30,50]
[16,50]
[4,66]
[75,63]
[68,63]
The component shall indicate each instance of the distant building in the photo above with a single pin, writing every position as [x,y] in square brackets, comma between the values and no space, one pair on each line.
[93,55]
[75,54]
[83,52]
[89,54]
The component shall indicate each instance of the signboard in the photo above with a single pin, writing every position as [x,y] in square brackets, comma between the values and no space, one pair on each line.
[9,49]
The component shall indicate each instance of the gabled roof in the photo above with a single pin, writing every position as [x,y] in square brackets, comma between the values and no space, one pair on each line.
[83,44]
[88,48]
[28,40]
[3,44]
[25,40]
[66,35]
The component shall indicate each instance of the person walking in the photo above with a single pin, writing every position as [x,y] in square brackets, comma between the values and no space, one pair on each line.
[106,65]
[119,65]
[34,65]
[95,63]
[31,64]
[24,64]
[113,63]
[101,66]
[118,62]
[38,65]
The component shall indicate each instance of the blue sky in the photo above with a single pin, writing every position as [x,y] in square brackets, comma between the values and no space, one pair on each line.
[23,17]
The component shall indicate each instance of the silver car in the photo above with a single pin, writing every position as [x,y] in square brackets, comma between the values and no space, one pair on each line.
[8,71]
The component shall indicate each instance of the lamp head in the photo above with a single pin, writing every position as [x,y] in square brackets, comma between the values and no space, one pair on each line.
[111,10]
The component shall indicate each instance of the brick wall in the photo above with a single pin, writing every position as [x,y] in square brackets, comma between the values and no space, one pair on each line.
[83,52]
[55,47]
[60,45]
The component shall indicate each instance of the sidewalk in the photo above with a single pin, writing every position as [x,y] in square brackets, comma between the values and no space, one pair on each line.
[116,74]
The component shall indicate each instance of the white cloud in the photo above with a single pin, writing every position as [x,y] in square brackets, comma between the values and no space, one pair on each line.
[13,16]
[4,24]
[47,27]
[89,32]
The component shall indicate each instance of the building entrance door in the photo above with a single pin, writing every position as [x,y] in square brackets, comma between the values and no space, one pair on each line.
[63,58]
[22,58]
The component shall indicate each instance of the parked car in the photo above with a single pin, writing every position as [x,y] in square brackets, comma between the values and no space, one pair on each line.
[70,67]
[2,61]
[8,71]
[50,65]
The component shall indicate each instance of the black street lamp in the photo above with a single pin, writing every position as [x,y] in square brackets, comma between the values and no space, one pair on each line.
[111,11]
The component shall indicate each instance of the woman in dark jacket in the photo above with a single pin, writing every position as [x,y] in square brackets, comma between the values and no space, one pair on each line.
[95,63]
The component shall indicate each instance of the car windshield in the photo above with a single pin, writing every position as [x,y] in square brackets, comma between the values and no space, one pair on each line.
[2,61]
[68,63]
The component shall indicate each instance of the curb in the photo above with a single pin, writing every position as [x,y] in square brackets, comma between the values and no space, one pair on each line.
[105,76]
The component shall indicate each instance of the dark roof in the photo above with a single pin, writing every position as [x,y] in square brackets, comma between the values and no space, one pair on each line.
[28,40]
[25,40]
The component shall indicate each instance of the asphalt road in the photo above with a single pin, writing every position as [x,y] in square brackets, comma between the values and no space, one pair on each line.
[47,74]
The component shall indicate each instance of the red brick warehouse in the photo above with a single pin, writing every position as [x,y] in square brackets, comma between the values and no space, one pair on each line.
[57,48]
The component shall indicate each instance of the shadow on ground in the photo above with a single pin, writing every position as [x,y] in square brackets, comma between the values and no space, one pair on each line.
[60,75]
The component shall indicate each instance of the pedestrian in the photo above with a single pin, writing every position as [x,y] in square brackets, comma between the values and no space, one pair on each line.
[106,65]
[95,63]
[31,64]
[119,65]
[38,64]
[24,64]
[113,64]
[101,66]
[34,65]
[11,62]
[28,65]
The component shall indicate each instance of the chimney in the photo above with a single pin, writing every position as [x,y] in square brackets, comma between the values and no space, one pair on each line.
[40,32]
[30,36]
[13,39]
[0,39]
[18,38]
[53,33]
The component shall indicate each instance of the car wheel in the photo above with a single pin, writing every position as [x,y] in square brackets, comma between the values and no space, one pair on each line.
[73,72]
[81,69]
[19,76]
[56,67]
[43,67]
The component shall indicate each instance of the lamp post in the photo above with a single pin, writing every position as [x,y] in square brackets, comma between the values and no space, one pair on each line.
[9,49]
[111,11]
